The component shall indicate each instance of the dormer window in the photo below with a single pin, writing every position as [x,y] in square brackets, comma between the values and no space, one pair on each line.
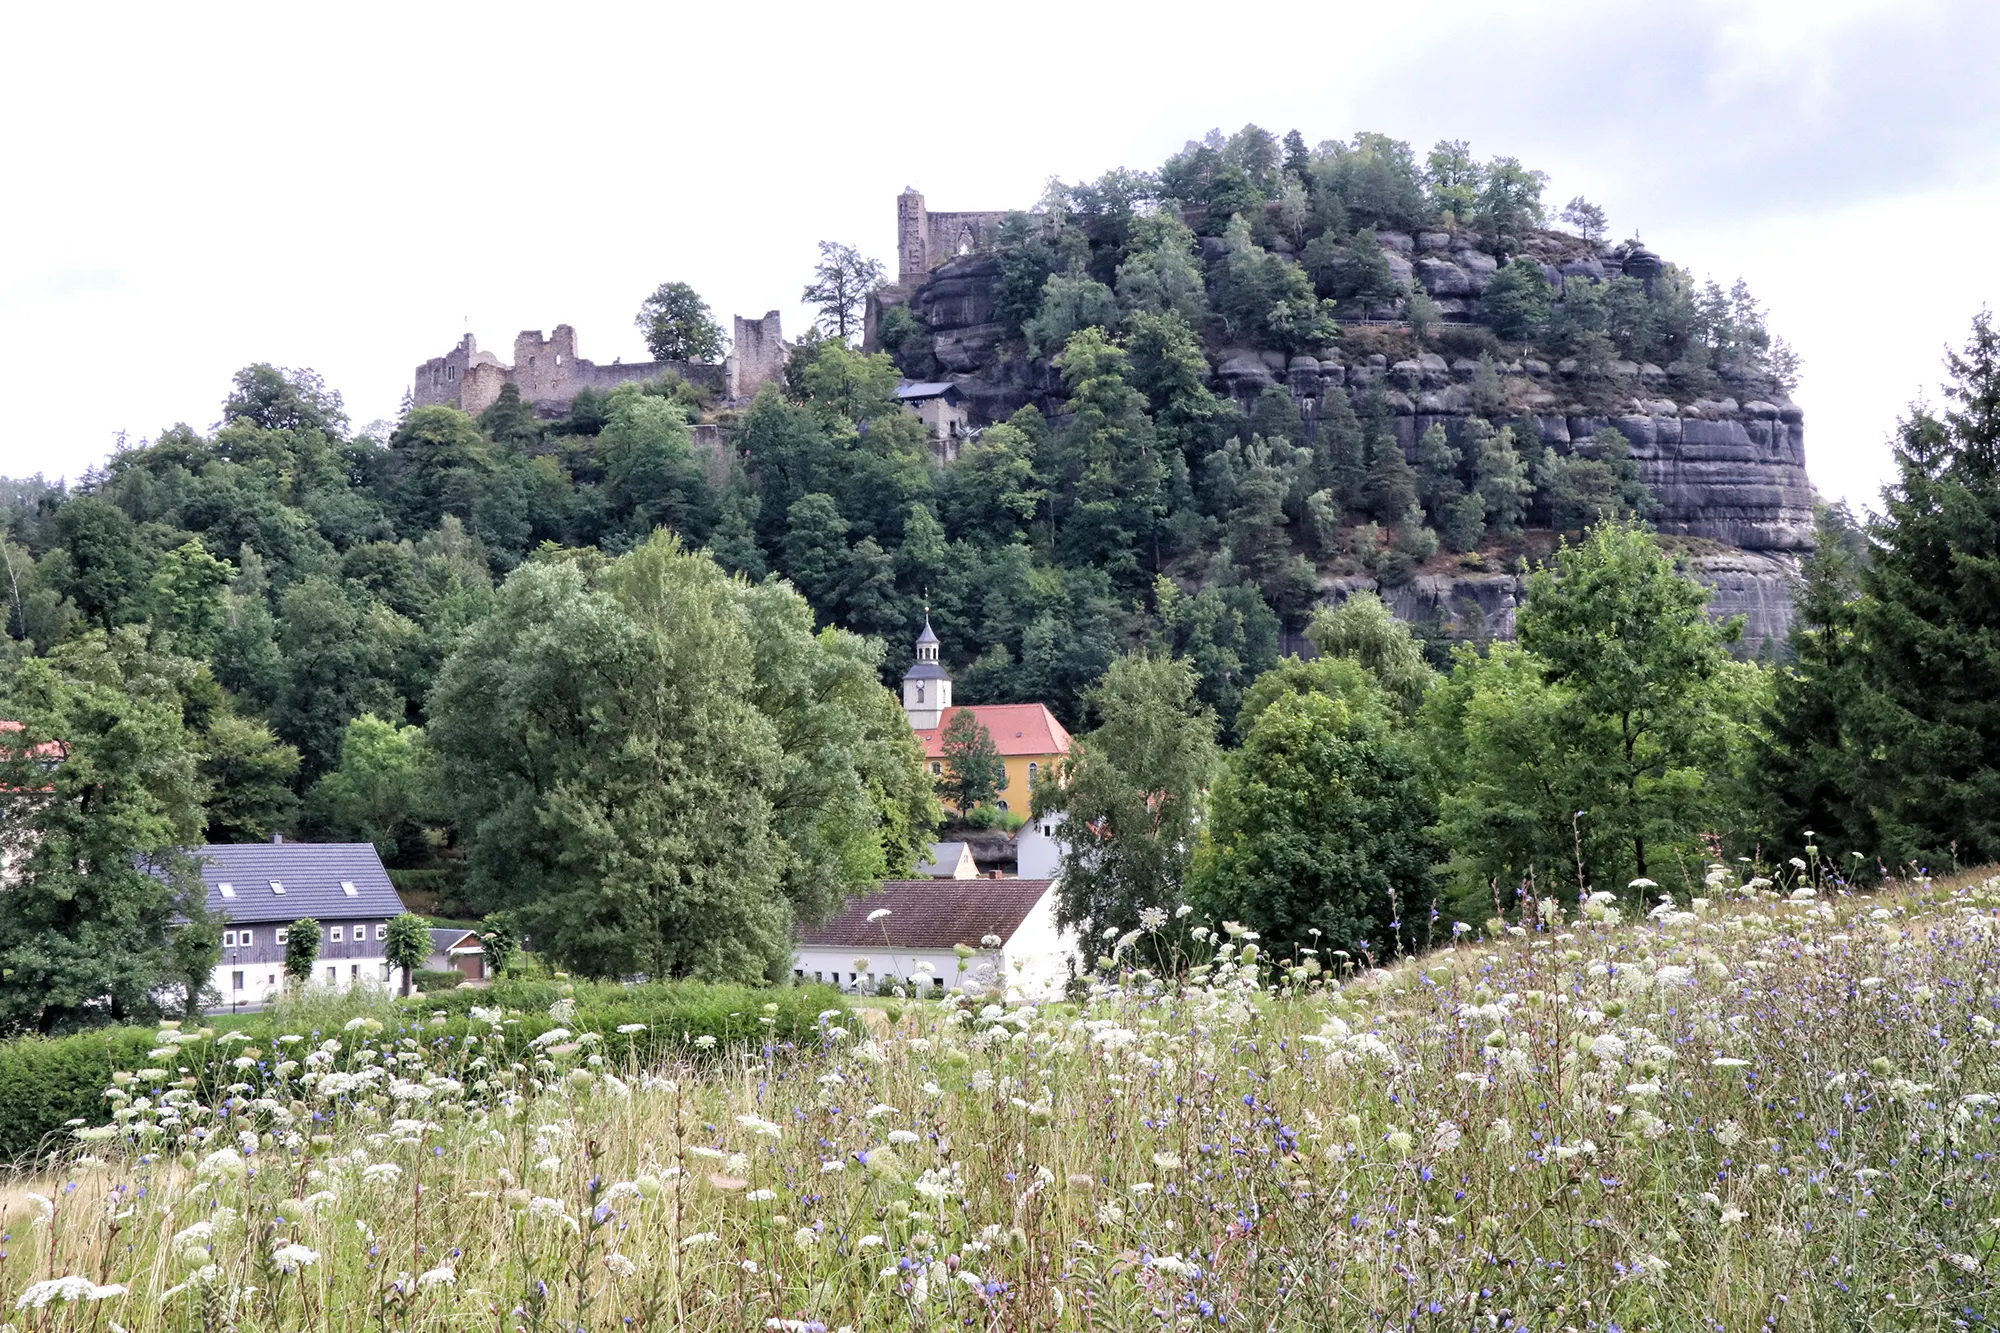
[278,887]
[226,889]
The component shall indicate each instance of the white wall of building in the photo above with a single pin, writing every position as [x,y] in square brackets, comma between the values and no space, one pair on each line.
[1036,854]
[261,982]
[1033,964]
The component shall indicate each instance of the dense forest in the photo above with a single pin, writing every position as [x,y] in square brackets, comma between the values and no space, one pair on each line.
[630,691]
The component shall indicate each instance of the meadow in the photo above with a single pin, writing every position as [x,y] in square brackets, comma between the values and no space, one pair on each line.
[1771,1108]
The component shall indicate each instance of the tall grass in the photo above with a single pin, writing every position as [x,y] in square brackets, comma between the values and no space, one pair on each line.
[1759,1111]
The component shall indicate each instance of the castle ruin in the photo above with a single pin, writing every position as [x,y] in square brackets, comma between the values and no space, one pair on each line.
[925,239]
[549,374]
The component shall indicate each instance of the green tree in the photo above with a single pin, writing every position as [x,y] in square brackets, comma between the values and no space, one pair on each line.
[1319,828]
[1928,622]
[1103,471]
[1516,301]
[408,945]
[678,325]
[108,566]
[1363,630]
[301,950]
[193,951]
[1130,794]
[1812,771]
[1452,180]
[382,792]
[973,769]
[188,598]
[249,773]
[841,282]
[1162,277]
[1069,302]
[1587,218]
[1510,202]
[100,795]
[1500,476]
[1616,730]
[500,942]
[658,769]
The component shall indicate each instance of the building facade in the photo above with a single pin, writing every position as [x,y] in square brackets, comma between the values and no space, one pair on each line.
[1028,736]
[260,889]
[908,933]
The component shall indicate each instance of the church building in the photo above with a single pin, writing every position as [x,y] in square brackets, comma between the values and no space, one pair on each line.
[1027,736]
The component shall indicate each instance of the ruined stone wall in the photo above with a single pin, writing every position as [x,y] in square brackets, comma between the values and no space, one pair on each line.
[757,353]
[549,373]
[925,239]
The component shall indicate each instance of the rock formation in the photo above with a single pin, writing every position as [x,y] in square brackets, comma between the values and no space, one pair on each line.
[1727,466]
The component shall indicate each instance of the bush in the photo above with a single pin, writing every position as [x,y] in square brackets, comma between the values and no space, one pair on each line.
[982,816]
[44,1084]
[447,978]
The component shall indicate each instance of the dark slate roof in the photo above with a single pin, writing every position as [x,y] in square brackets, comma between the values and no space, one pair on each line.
[312,872]
[931,914]
[443,939]
[929,635]
[926,671]
[942,861]
[932,389]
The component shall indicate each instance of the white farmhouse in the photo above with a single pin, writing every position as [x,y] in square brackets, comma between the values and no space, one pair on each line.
[909,932]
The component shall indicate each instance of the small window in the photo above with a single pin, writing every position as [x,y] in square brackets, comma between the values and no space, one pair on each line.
[381,932]
[332,976]
[336,934]
[1033,769]
[936,767]
[354,971]
[347,887]
[283,934]
[1001,804]
[278,887]
[229,939]
[243,938]
[236,981]
[920,691]
[385,971]
[226,889]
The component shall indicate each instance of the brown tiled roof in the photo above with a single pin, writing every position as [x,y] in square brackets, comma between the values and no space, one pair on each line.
[931,914]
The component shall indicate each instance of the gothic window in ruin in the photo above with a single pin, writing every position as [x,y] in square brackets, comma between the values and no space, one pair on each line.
[965,242]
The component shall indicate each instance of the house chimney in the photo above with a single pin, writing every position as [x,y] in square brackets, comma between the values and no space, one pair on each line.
[277,838]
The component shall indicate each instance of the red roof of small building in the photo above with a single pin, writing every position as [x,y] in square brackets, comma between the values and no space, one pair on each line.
[931,914]
[1016,729]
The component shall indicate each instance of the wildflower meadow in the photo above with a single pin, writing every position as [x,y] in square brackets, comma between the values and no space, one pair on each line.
[1772,1108]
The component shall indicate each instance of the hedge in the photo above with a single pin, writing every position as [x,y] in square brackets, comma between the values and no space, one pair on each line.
[46,1083]
[444,978]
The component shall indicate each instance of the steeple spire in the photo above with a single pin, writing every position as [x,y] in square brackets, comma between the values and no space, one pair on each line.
[926,687]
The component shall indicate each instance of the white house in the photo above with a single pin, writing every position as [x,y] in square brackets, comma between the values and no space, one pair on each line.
[260,888]
[1036,854]
[909,930]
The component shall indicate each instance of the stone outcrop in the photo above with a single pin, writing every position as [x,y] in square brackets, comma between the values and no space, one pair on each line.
[1728,468]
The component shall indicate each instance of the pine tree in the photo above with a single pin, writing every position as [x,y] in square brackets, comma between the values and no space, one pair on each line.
[1341,451]
[1807,761]
[1929,625]
[1500,476]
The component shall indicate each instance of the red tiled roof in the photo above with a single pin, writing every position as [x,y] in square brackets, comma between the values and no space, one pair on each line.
[931,914]
[1016,729]
[46,750]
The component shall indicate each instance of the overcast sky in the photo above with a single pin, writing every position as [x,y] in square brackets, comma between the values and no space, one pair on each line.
[192,188]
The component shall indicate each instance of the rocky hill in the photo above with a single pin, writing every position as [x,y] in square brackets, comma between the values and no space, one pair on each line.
[1722,451]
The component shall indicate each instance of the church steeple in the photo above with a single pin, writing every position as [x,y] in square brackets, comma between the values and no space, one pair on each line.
[926,687]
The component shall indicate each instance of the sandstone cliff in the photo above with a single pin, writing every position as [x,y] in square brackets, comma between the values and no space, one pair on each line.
[1727,463]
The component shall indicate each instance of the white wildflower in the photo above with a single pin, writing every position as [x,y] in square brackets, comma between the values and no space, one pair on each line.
[438,1277]
[290,1258]
[71,1288]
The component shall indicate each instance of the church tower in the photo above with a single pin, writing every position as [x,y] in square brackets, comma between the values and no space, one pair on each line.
[926,687]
